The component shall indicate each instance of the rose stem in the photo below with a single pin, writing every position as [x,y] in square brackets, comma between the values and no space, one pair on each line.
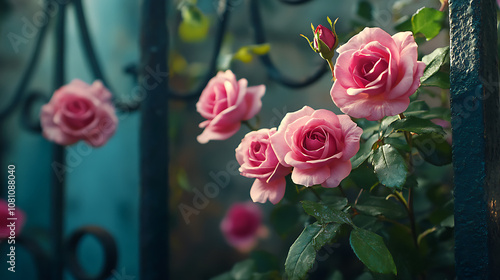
[411,212]
[331,68]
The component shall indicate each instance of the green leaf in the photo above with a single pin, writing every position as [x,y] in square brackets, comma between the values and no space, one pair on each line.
[302,253]
[440,79]
[390,167]
[284,218]
[325,213]
[364,152]
[243,270]
[365,10]
[427,21]
[433,148]
[403,24]
[364,176]
[434,62]
[448,222]
[371,250]
[417,106]
[194,26]
[373,206]
[416,125]
[336,202]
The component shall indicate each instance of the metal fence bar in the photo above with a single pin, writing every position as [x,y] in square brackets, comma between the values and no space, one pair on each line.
[154,143]
[475,124]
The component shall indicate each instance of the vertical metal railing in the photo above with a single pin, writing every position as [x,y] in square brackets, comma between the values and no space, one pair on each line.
[476,132]
[154,144]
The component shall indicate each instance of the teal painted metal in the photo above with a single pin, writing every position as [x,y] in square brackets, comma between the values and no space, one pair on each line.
[476,130]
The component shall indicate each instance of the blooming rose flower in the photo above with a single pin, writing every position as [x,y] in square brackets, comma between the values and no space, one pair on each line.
[225,102]
[376,74]
[242,226]
[258,160]
[78,111]
[318,145]
[4,222]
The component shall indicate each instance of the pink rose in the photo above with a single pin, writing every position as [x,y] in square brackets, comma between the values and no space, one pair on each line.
[326,35]
[318,145]
[258,160]
[376,74]
[242,226]
[78,111]
[225,102]
[4,222]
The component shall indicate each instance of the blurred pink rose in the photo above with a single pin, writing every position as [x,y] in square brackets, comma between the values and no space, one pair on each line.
[376,74]
[5,231]
[318,145]
[79,111]
[242,226]
[258,160]
[225,102]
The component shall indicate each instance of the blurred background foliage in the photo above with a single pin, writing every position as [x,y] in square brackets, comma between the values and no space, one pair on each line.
[103,184]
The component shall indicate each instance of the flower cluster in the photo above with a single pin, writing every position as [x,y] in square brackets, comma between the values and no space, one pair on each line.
[375,75]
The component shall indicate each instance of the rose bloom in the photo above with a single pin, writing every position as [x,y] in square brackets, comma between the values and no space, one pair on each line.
[242,226]
[79,111]
[258,160]
[225,102]
[4,222]
[318,145]
[376,74]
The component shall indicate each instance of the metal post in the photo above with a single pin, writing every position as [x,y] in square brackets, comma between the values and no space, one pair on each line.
[476,131]
[154,143]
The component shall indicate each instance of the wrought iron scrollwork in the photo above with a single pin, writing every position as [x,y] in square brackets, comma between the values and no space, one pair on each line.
[108,245]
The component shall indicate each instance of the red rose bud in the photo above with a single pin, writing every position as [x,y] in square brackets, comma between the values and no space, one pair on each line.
[325,40]
[326,35]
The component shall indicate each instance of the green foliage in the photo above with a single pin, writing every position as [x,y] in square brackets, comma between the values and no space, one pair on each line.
[371,250]
[390,167]
[284,218]
[302,253]
[433,148]
[427,21]
[434,62]
[365,150]
[194,26]
[374,206]
[247,53]
[248,270]
[365,10]
[325,213]
[416,125]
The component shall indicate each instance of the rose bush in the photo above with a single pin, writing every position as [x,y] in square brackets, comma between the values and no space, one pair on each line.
[318,145]
[376,74]
[79,111]
[225,102]
[258,160]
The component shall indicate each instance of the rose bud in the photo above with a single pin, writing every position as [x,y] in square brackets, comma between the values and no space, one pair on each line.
[325,40]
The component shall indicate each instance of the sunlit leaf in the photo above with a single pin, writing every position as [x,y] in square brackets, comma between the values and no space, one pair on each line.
[427,21]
